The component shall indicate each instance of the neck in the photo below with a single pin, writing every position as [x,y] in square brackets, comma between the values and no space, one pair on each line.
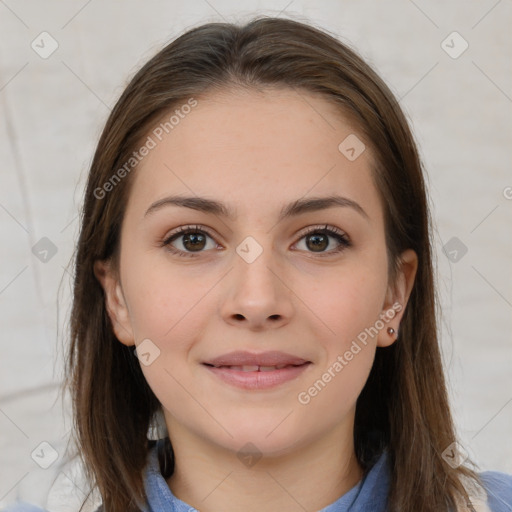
[309,477]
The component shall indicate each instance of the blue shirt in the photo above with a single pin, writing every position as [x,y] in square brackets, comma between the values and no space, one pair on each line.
[369,495]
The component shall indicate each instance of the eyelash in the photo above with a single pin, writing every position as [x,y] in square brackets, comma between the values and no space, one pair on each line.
[343,240]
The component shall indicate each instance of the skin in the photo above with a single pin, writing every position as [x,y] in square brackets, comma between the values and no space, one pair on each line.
[256,152]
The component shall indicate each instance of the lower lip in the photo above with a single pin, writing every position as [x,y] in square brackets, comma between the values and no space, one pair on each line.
[258,380]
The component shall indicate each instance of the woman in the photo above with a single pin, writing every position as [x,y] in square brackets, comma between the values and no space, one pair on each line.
[254,268]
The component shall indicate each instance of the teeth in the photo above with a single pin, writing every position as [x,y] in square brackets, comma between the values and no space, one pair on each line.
[247,368]
[255,368]
[243,368]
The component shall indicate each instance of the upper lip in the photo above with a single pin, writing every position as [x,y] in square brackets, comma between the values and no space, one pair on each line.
[243,358]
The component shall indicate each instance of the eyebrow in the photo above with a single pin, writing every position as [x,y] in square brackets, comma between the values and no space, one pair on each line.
[295,208]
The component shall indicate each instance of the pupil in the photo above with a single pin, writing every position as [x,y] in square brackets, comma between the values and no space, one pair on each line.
[195,239]
[317,241]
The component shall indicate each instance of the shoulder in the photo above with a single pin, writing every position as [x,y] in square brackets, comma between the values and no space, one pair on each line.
[498,486]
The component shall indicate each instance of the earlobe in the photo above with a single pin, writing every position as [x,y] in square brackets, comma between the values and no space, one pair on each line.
[397,297]
[115,303]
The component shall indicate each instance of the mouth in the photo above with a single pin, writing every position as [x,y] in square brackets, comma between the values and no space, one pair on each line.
[257,376]
[255,368]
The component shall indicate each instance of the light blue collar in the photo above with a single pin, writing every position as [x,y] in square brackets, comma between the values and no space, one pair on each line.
[369,495]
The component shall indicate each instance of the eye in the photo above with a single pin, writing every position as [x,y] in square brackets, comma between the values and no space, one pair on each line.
[193,240]
[317,240]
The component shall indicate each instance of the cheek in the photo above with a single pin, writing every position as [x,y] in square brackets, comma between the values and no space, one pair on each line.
[349,306]
[170,307]
[345,302]
[334,390]
[163,299]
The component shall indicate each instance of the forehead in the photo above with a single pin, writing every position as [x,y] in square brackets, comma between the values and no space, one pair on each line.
[254,149]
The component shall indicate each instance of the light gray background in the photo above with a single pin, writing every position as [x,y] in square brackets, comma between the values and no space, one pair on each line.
[52,111]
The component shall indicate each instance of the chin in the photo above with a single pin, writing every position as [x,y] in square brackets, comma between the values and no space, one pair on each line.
[269,437]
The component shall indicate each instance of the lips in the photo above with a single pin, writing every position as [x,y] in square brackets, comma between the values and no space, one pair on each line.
[255,368]
[263,361]
[255,372]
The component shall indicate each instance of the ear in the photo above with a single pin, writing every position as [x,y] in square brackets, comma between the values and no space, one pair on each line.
[115,303]
[397,297]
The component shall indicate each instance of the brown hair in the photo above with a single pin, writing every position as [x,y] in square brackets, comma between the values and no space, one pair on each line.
[404,405]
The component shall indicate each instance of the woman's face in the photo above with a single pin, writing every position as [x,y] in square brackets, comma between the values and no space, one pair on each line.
[266,278]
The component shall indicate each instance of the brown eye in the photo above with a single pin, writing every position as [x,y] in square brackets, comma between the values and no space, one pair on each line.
[194,241]
[191,239]
[317,240]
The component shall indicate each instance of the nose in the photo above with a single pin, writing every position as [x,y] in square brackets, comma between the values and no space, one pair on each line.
[258,295]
